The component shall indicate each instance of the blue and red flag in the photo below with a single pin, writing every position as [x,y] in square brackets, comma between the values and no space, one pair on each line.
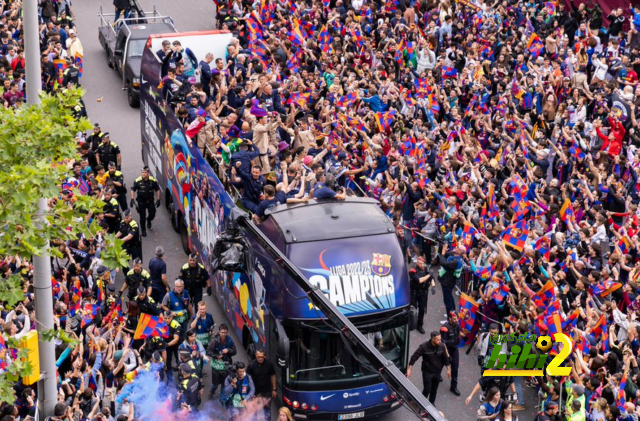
[468,316]
[543,245]
[554,324]
[78,60]
[535,45]
[467,235]
[324,39]
[295,34]
[625,245]
[347,100]
[89,312]
[577,152]
[384,120]
[500,293]
[545,296]
[572,320]
[516,235]
[566,212]
[149,326]
[449,72]
[484,272]
[301,99]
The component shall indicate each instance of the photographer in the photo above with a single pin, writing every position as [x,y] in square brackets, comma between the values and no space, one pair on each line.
[237,391]
[220,351]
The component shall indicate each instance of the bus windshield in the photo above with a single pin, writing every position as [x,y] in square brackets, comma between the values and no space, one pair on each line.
[321,360]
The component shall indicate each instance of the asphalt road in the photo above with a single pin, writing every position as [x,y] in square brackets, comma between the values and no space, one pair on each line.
[107,104]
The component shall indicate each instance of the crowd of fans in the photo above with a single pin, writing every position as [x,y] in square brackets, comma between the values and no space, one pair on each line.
[499,136]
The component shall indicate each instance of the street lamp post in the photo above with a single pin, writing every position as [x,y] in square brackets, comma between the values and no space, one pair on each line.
[47,392]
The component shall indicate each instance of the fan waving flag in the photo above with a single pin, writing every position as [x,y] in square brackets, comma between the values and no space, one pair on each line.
[554,324]
[150,326]
[546,294]
[572,320]
[566,212]
[449,73]
[299,99]
[500,293]
[347,100]
[535,45]
[89,312]
[467,235]
[325,40]
[467,320]
[516,235]
[384,120]
[543,245]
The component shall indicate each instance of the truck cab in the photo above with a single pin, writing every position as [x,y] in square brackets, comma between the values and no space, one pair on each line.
[124,42]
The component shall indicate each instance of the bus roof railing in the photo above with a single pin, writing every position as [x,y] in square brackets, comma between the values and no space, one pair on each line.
[230,188]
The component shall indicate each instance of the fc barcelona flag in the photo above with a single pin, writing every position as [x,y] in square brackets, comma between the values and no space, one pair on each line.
[449,72]
[150,326]
[384,120]
[78,61]
[554,324]
[347,100]
[566,212]
[545,295]
[467,317]
[516,235]
[88,313]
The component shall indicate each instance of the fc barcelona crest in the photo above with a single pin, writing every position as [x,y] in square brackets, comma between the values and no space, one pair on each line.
[381,264]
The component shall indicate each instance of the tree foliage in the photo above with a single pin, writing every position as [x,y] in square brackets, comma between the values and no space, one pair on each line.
[37,142]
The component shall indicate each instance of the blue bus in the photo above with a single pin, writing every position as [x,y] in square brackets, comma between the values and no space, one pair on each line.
[348,249]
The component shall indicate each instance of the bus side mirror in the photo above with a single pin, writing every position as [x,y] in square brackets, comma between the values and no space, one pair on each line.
[282,352]
[413,318]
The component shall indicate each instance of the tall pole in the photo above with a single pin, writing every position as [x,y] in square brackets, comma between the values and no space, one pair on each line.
[47,392]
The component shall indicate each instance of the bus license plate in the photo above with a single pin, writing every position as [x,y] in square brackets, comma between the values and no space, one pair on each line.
[351,416]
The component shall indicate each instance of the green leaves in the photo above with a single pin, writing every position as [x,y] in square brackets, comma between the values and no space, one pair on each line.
[11,290]
[37,146]
[52,334]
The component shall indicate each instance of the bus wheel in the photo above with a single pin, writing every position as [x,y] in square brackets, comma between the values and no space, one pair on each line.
[173,215]
[184,236]
[109,62]
[249,346]
[133,101]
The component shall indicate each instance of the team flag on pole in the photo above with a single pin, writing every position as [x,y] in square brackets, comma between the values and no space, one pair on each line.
[149,326]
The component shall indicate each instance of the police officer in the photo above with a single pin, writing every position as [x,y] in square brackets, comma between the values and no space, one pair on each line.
[420,281]
[146,304]
[108,151]
[190,388]
[177,301]
[118,182]
[195,277]
[451,332]
[130,233]
[71,74]
[111,210]
[434,356]
[147,188]
[135,278]
[95,139]
[154,344]
[173,342]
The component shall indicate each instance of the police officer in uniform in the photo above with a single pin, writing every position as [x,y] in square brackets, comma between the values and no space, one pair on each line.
[190,388]
[146,304]
[108,151]
[195,277]
[451,332]
[118,181]
[173,342]
[95,139]
[420,281]
[71,74]
[111,211]
[130,233]
[135,278]
[147,188]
